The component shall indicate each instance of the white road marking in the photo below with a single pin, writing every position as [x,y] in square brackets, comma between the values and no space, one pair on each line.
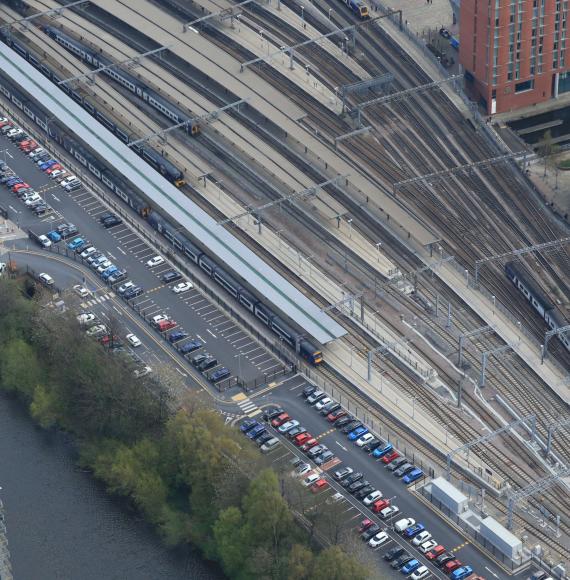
[9,154]
[14,209]
[120,313]
[491,572]
[183,374]
[341,446]
[201,338]
[114,258]
[208,330]
[122,251]
[55,197]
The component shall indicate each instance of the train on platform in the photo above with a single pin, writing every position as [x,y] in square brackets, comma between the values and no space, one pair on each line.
[538,300]
[162,225]
[152,157]
[359,8]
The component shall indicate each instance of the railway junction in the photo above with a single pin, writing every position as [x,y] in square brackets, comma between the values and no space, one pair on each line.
[383,241]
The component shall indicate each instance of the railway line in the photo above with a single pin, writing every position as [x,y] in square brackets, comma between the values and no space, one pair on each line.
[385,172]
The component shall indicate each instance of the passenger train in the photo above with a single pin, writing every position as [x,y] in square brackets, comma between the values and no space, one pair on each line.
[358,7]
[127,80]
[154,159]
[166,228]
[523,281]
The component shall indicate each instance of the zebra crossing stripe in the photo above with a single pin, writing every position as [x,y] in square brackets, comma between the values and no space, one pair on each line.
[255,413]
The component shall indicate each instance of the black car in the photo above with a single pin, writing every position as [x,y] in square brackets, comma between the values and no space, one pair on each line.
[351,479]
[369,447]
[112,222]
[133,292]
[207,363]
[398,462]
[403,559]
[263,438]
[343,421]
[332,406]
[199,359]
[272,412]
[190,346]
[295,431]
[441,560]
[370,532]
[354,487]
[406,468]
[106,215]
[325,456]
[393,553]
[342,473]
[41,209]
[351,426]
[309,390]
[171,276]
[366,490]
[69,232]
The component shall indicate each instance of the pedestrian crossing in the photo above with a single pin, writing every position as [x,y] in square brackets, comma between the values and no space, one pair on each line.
[96,300]
[246,405]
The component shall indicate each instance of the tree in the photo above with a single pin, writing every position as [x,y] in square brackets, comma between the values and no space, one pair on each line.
[300,563]
[20,368]
[45,407]
[546,148]
[232,546]
[334,564]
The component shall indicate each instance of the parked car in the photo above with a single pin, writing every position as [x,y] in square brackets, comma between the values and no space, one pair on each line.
[450,566]
[133,292]
[421,573]
[427,546]
[302,438]
[389,512]
[171,276]
[126,286]
[412,476]
[435,552]
[335,415]
[324,457]
[280,419]
[379,539]
[349,427]
[54,236]
[330,408]
[413,530]
[364,491]
[155,261]
[288,425]
[312,478]
[370,532]
[389,457]
[98,330]
[177,335]
[308,444]
[410,567]
[399,562]
[351,479]
[372,497]
[270,444]
[401,525]
[382,450]
[402,470]
[394,553]
[461,573]
[248,424]
[319,485]
[309,390]
[396,463]
[366,438]
[46,279]
[322,403]
[272,412]
[315,397]
[86,318]
[117,276]
[342,473]
[343,421]
[421,538]
[112,222]
[81,291]
[133,340]
[443,559]
[317,450]
[207,364]
[182,287]
[142,371]
[357,433]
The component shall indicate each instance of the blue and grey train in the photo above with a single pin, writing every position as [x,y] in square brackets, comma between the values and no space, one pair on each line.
[138,88]
[358,7]
[154,159]
[181,243]
[538,300]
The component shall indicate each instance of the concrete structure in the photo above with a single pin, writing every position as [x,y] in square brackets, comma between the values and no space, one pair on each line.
[515,54]
[221,244]
[507,543]
[449,495]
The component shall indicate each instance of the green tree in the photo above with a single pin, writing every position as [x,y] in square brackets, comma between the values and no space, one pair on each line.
[232,546]
[300,563]
[334,564]
[545,149]
[45,407]
[19,367]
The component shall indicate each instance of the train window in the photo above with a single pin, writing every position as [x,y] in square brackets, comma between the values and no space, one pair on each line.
[16,101]
[89,107]
[94,170]
[33,60]
[122,195]
[226,284]
[261,315]
[282,333]
[122,135]
[107,181]
[190,253]
[80,158]
[103,120]
[206,267]
[29,112]
[45,70]
[5,91]
[168,235]
[177,244]
[246,301]
[19,48]
[41,123]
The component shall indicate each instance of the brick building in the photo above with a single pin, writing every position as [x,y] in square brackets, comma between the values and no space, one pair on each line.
[515,53]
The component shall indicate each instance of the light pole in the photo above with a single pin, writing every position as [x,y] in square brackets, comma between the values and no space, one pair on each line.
[238,356]
[302,12]
[378,246]
[330,12]
[494,298]
[349,222]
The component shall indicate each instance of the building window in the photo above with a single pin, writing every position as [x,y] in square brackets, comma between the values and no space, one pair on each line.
[510,76]
[524,86]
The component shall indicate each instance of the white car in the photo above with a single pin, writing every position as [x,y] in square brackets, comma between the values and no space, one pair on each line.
[364,439]
[389,511]
[104,265]
[86,318]
[44,241]
[142,372]
[158,318]
[124,287]
[427,546]
[46,279]
[401,525]
[81,290]
[311,479]
[182,287]
[303,470]
[99,329]
[288,426]
[335,498]
[322,403]
[88,251]
[421,573]
[33,199]
[133,340]
[379,539]
[372,497]
[421,538]
[56,173]
[156,261]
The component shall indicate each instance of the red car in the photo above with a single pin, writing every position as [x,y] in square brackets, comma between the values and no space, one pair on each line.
[280,419]
[301,439]
[364,525]
[308,444]
[106,340]
[23,144]
[319,485]
[380,505]
[165,325]
[435,552]
[53,168]
[4,123]
[390,457]
[332,417]
[451,566]
[19,186]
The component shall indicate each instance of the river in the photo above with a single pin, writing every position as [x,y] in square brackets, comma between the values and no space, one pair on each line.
[63,526]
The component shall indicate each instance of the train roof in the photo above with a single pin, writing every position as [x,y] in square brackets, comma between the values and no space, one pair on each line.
[527,278]
[221,243]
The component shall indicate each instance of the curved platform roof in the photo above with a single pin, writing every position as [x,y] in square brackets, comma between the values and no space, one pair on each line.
[221,244]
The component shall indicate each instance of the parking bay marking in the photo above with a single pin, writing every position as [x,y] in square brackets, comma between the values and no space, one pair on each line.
[122,251]
[208,330]
[341,446]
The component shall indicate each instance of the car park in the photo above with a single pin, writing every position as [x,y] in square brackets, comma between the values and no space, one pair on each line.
[414,475]
[366,438]
[133,340]
[335,498]
[427,546]
[81,291]
[421,538]
[421,573]
[46,279]
[410,567]
[372,497]
[379,539]
[182,287]
[155,261]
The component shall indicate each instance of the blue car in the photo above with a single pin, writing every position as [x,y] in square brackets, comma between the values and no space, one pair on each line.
[191,346]
[75,243]
[414,475]
[255,431]
[412,531]
[382,450]
[54,236]
[13,181]
[410,567]
[177,335]
[247,425]
[461,573]
[47,164]
[220,375]
[358,432]
[109,272]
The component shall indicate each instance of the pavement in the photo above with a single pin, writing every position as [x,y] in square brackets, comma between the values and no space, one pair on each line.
[288,394]
[554,186]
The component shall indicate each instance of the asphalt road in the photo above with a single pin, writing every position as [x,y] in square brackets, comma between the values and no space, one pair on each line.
[289,396]
[193,312]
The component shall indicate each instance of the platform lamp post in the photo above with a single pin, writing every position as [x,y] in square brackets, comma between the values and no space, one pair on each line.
[302,12]
[330,12]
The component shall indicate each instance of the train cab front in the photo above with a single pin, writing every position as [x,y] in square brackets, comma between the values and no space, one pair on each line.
[364,12]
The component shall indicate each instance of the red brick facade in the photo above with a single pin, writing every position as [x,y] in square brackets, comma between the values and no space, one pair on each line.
[514,51]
